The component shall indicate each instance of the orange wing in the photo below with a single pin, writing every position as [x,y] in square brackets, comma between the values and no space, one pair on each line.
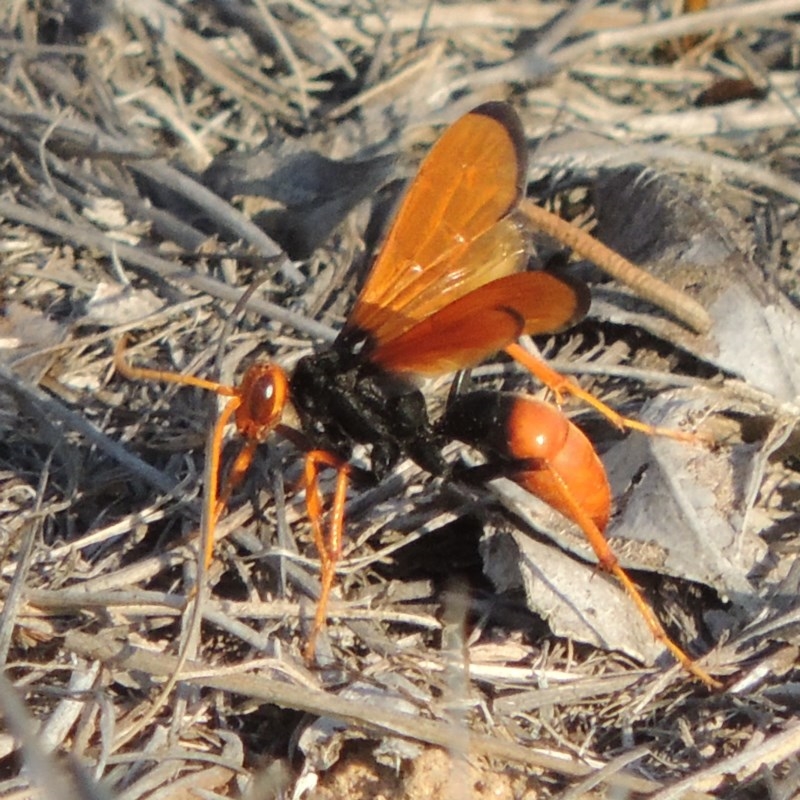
[453,232]
[468,330]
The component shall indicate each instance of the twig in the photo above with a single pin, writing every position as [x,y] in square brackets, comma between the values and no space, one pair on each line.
[681,25]
[137,257]
[286,49]
[23,561]
[633,153]
[741,766]
[352,712]
[645,285]
[52,410]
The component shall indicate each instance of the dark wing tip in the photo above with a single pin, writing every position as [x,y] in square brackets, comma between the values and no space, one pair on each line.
[505,114]
[583,298]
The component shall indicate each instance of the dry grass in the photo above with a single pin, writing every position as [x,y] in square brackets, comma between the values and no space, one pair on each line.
[147,149]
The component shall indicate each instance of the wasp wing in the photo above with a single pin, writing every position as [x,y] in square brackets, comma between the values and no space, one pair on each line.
[455,229]
[478,324]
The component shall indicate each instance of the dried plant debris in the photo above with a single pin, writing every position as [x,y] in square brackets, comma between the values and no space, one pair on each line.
[159,158]
[690,233]
[303,196]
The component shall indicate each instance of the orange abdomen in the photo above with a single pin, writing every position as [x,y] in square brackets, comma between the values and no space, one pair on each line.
[560,456]
[542,450]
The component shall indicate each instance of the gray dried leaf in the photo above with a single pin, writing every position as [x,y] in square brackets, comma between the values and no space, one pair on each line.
[682,231]
[310,194]
[688,504]
[114,304]
[23,329]
[576,600]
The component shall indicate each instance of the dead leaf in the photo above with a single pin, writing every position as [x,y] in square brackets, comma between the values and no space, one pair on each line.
[310,194]
[574,599]
[115,304]
[23,328]
[686,233]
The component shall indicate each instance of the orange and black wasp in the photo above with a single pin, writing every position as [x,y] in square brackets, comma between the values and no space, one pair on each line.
[447,290]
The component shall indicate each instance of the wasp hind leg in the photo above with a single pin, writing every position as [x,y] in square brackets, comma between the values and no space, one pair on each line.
[550,457]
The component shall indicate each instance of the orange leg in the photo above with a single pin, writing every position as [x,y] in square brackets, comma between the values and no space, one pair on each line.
[216,502]
[328,546]
[255,405]
[570,506]
[561,385]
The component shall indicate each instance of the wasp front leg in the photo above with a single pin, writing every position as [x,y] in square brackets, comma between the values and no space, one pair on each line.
[328,543]
[547,455]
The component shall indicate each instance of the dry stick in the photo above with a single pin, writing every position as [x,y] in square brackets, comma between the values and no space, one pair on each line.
[137,257]
[18,587]
[645,285]
[744,764]
[52,410]
[582,789]
[31,49]
[125,657]
[635,153]
[77,132]
[731,18]
[225,615]
[700,123]
[562,28]
[288,53]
